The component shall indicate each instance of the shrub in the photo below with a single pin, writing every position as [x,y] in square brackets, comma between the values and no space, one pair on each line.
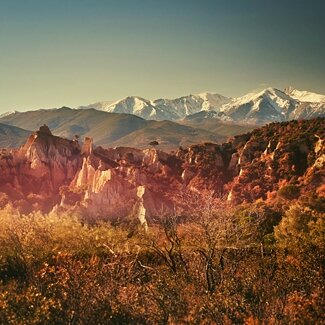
[289,192]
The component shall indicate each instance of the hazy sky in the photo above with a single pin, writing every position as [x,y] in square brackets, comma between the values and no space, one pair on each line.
[73,52]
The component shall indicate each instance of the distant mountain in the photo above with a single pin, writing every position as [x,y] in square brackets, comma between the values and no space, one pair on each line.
[216,122]
[163,109]
[8,113]
[308,111]
[170,135]
[130,105]
[262,107]
[135,121]
[203,115]
[11,136]
[268,105]
[274,105]
[304,96]
[109,129]
[67,122]
[99,105]
[311,105]
[187,105]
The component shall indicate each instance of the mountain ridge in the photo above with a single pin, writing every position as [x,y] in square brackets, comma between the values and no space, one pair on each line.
[12,136]
[260,107]
[112,129]
[160,109]
[194,118]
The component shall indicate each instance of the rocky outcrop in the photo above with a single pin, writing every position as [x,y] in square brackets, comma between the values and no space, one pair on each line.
[40,167]
[51,172]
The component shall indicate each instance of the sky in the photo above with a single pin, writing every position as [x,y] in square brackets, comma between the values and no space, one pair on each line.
[76,52]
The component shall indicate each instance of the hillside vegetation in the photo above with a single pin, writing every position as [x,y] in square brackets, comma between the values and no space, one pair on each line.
[219,264]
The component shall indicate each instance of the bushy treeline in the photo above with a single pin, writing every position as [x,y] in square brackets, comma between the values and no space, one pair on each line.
[249,264]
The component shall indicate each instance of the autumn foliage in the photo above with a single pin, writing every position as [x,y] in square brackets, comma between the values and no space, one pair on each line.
[219,264]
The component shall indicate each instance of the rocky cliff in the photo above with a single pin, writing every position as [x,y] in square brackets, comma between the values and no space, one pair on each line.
[50,172]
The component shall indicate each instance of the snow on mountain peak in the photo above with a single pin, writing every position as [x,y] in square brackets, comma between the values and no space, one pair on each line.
[8,113]
[212,101]
[164,109]
[133,105]
[267,105]
[269,93]
[304,96]
[263,106]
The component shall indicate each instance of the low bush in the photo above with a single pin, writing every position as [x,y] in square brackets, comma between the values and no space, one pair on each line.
[220,265]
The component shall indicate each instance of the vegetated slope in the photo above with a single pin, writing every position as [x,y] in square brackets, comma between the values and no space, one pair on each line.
[49,171]
[278,155]
[67,122]
[11,136]
[169,135]
[110,129]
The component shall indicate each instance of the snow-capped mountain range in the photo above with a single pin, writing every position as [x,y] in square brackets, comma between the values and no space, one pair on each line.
[164,109]
[268,105]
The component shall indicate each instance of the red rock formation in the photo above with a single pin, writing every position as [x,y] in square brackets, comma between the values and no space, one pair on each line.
[41,167]
[49,171]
